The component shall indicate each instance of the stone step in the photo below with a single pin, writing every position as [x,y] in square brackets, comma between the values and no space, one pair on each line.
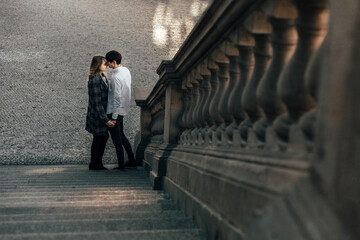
[76,174]
[110,181]
[79,192]
[44,202]
[88,209]
[89,203]
[82,198]
[100,215]
[47,169]
[71,178]
[79,173]
[76,184]
[94,225]
[177,234]
[26,189]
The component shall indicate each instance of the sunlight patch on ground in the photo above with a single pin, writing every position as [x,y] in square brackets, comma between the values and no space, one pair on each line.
[45,170]
[170,29]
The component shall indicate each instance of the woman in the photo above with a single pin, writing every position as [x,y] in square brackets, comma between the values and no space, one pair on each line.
[97,122]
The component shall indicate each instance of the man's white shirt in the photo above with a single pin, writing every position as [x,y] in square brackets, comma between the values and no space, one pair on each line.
[119,95]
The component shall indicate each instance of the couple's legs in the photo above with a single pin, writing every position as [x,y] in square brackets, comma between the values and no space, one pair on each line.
[97,152]
[119,139]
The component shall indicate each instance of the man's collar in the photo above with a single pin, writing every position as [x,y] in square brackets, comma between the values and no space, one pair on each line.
[117,68]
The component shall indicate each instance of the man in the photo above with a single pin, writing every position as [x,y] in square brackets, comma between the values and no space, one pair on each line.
[118,106]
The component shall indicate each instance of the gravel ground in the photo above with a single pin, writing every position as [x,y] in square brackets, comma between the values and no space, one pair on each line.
[45,51]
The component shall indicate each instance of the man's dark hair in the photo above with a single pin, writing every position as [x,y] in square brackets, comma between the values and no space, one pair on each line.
[113,55]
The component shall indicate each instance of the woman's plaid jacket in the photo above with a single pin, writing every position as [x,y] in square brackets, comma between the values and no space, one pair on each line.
[96,118]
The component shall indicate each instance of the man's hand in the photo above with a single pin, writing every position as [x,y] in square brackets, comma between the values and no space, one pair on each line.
[110,123]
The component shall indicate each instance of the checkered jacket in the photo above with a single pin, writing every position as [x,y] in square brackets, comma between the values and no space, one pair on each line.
[96,118]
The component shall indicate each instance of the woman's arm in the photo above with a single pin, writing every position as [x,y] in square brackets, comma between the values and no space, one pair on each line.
[95,97]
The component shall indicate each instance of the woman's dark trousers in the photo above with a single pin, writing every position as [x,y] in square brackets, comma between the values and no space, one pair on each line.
[97,151]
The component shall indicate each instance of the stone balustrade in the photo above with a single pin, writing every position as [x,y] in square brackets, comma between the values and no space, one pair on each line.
[250,88]
[234,113]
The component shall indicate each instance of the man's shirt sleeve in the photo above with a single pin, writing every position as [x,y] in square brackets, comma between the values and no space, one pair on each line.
[121,97]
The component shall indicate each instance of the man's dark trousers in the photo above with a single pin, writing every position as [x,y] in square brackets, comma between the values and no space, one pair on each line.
[119,139]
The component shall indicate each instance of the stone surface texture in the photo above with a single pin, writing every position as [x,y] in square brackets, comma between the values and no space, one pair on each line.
[45,53]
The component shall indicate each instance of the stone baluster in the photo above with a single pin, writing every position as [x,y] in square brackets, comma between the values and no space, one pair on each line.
[214,68]
[182,121]
[189,119]
[232,53]
[311,25]
[281,15]
[192,100]
[206,121]
[199,121]
[308,120]
[223,76]
[244,41]
[260,28]
[186,87]
[195,116]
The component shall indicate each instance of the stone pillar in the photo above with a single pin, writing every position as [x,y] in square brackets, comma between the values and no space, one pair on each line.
[173,107]
[145,118]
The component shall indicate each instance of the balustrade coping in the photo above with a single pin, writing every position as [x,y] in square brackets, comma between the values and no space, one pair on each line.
[141,94]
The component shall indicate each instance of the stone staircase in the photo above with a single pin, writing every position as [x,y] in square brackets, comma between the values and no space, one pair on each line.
[71,202]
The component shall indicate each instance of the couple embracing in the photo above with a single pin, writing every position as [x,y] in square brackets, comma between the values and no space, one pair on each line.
[109,102]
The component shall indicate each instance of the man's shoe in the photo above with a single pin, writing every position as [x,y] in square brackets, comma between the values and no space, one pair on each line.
[91,167]
[130,164]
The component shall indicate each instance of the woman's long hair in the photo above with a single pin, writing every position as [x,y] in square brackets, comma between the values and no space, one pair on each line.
[94,67]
